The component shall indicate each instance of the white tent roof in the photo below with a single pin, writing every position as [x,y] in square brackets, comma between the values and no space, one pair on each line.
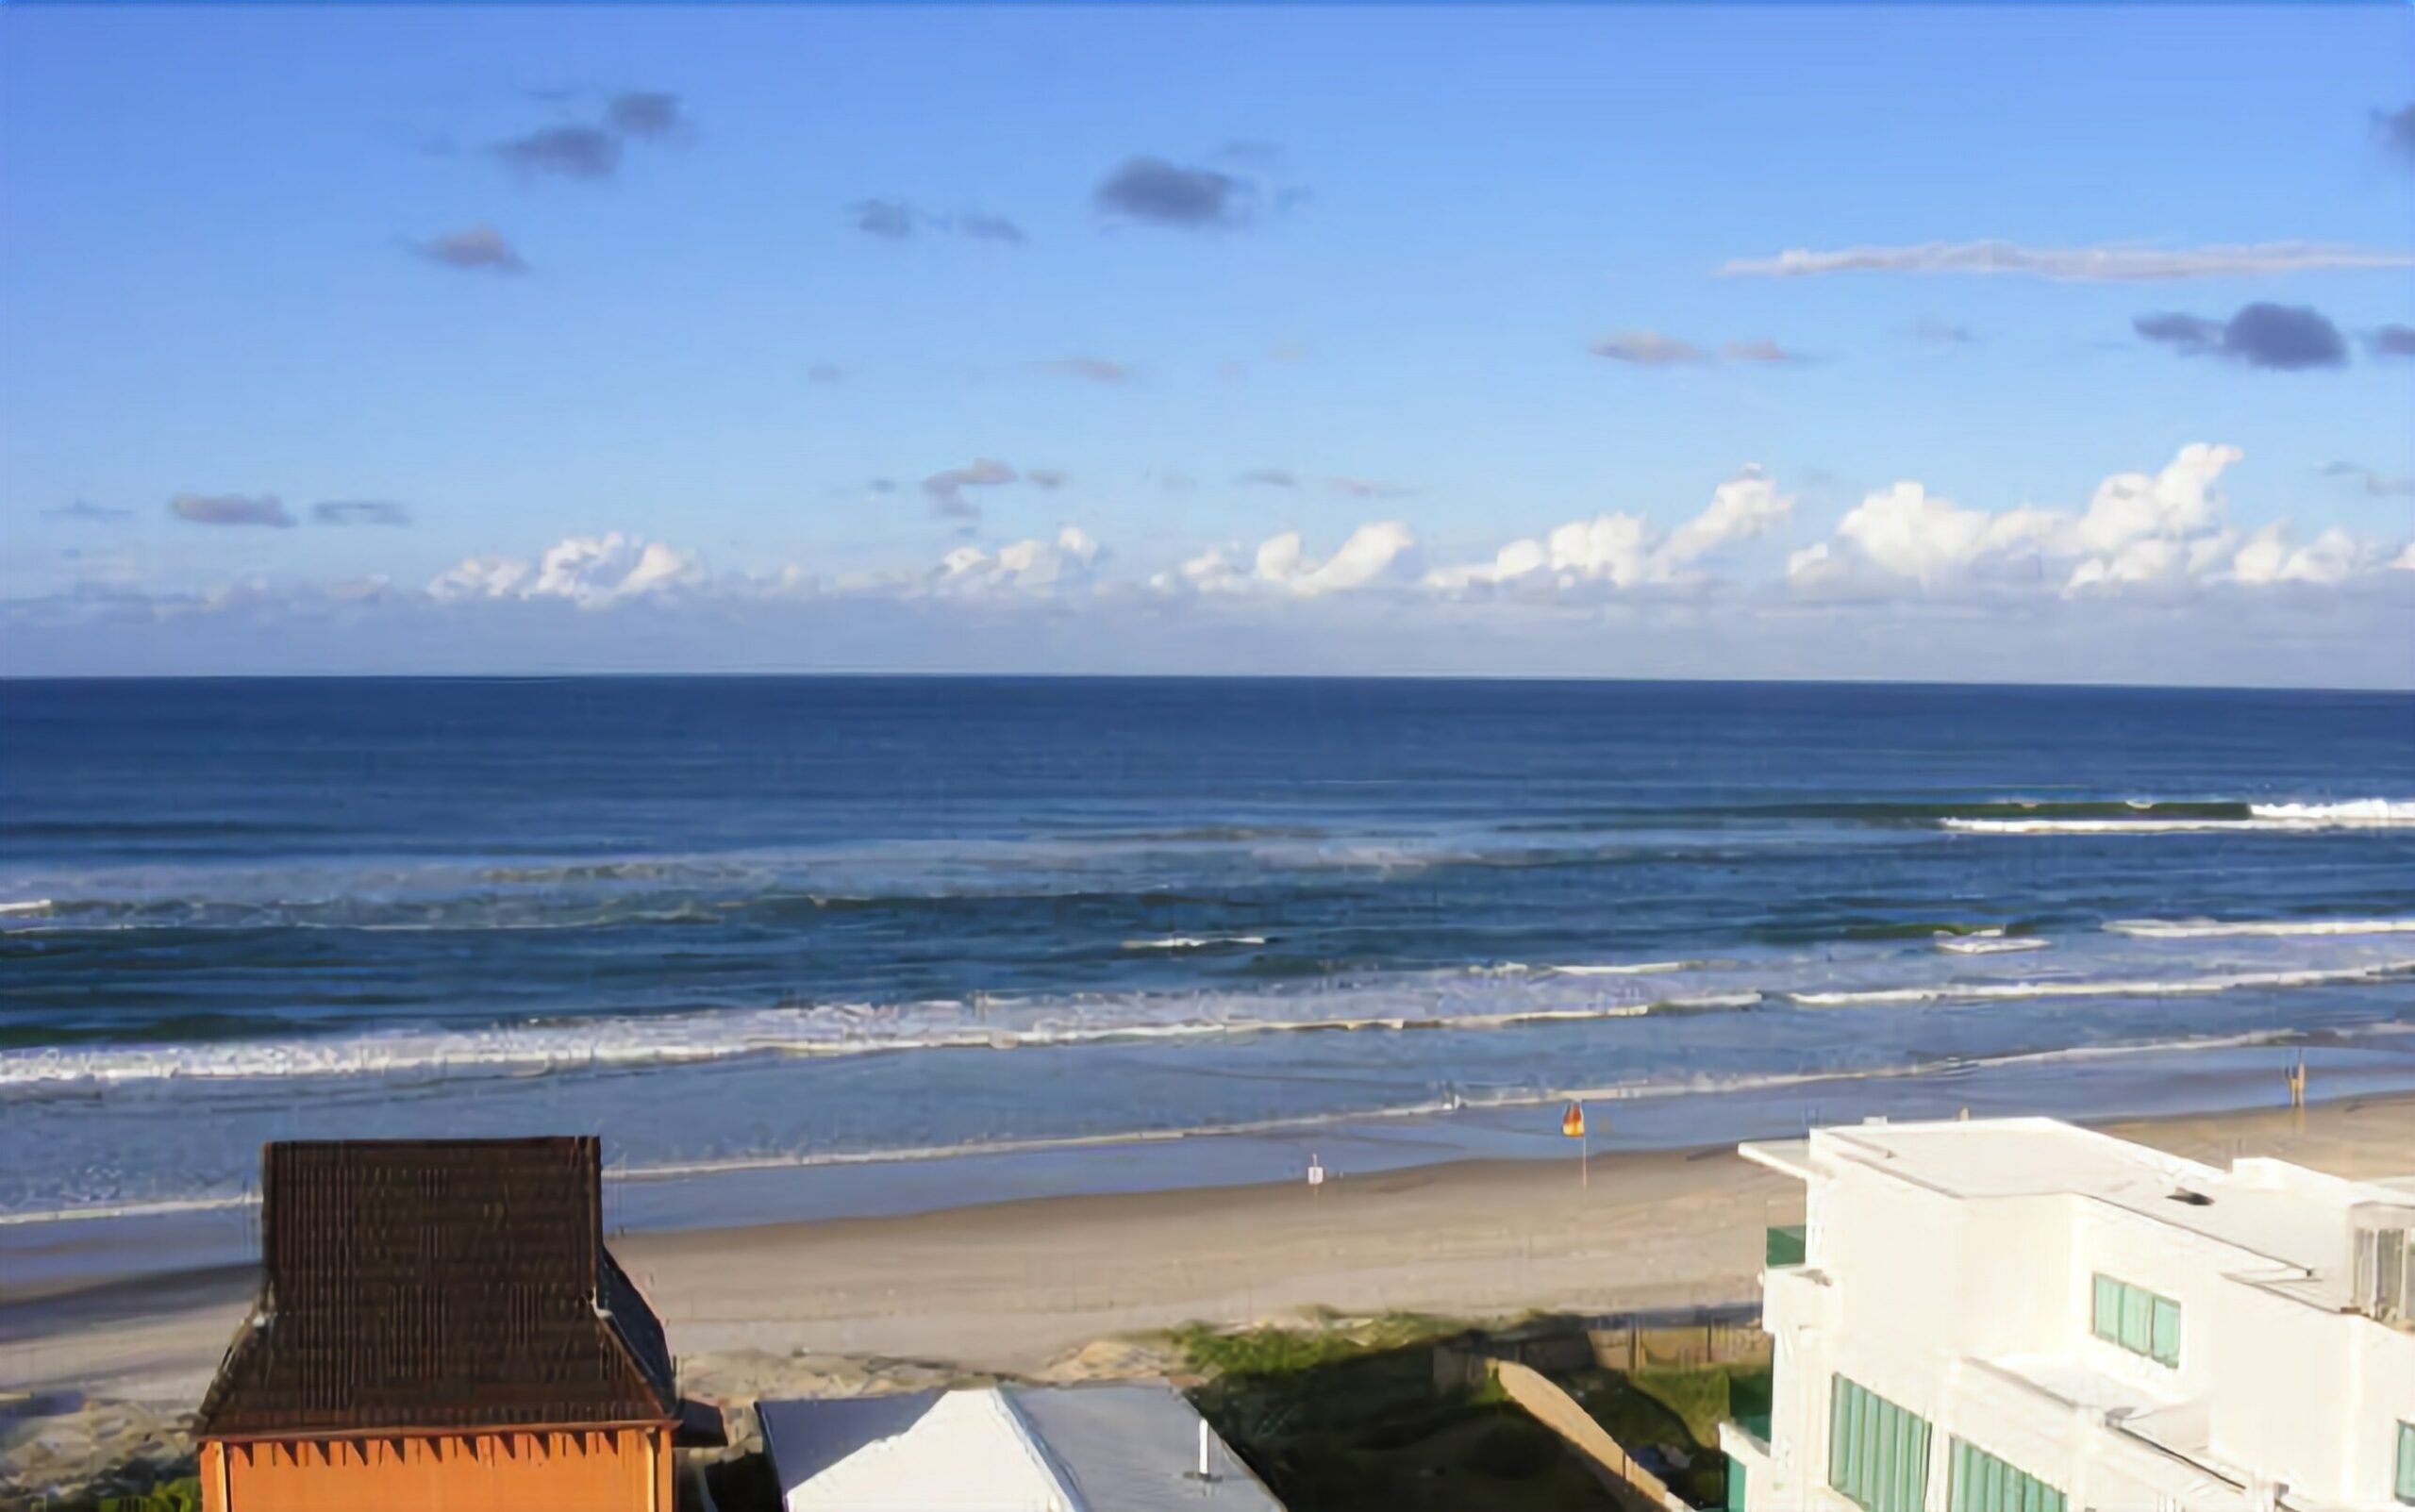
[1008,1448]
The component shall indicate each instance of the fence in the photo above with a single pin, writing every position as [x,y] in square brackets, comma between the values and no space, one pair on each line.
[1624,1341]
[1634,1487]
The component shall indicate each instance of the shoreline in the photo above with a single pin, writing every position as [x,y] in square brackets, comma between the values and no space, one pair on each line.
[1017,1284]
[57,1251]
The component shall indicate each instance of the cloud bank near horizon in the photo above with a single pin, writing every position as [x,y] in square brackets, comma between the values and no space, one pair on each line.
[2155,550]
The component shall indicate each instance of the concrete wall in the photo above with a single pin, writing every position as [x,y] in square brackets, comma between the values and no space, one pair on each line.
[1906,1290]
[624,1470]
[1634,1486]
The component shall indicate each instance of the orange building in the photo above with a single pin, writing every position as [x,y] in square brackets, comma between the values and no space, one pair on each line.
[439,1327]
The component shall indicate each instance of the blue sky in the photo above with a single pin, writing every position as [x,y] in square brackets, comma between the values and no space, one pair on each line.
[1433,282]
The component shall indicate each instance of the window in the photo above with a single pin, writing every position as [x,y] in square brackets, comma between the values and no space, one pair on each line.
[2406,1462]
[1877,1452]
[1983,1483]
[2137,1320]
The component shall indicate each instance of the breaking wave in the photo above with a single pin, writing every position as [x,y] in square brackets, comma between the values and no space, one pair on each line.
[1454,1101]
[1989,943]
[1195,941]
[2164,819]
[2082,987]
[840,1029]
[2278,928]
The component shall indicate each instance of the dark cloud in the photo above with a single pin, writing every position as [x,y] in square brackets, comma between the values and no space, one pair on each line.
[83,510]
[2375,484]
[890,218]
[983,228]
[2392,340]
[2394,133]
[564,152]
[1255,157]
[1047,477]
[1094,369]
[1763,350]
[230,509]
[2190,332]
[897,220]
[652,114]
[1649,349]
[1164,193]
[479,249]
[1268,477]
[360,512]
[2283,338]
[1363,488]
[825,373]
[946,489]
[1940,333]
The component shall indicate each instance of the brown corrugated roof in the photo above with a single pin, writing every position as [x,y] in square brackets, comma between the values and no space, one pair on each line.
[448,1284]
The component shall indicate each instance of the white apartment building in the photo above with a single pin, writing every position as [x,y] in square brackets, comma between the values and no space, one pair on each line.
[2016,1315]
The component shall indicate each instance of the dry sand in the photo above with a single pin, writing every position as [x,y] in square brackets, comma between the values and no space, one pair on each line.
[1020,1287]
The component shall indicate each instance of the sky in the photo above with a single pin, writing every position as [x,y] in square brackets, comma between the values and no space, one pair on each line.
[2063,343]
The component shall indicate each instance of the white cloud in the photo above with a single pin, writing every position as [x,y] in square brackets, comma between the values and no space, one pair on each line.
[2178,502]
[480,577]
[1377,552]
[2138,528]
[2330,557]
[1624,550]
[2100,264]
[594,572]
[1740,509]
[1026,567]
[1366,557]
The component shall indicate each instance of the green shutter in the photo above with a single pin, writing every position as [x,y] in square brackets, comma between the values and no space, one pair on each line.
[2407,1461]
[1877,1452]
[2166,1349]
[1983,1483]
[2135,1318]
[2138,1319]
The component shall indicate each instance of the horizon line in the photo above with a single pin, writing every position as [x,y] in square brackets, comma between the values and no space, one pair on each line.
[927,675]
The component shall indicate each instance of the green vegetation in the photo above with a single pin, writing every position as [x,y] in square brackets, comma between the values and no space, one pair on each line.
[1699,1398]
[1282,1350]
[1662,1408]
[1355,1416]
[168,1496]
[1345,1414]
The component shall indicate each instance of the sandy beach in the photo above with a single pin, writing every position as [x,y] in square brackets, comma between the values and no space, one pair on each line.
[1033,1288]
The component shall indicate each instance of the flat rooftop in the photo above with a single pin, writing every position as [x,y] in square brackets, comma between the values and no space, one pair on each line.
[2279,1212]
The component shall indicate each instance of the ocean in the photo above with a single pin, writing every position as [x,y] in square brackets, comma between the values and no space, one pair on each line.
[764,924]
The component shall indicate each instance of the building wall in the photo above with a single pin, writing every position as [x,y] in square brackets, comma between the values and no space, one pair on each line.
[1905,1291]
[612,1470]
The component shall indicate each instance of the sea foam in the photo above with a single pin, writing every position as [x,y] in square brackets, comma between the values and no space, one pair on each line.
[2281,928]
[2085,987]
[2358,813]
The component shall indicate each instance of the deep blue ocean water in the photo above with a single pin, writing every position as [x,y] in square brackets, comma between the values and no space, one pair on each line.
[731,920]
